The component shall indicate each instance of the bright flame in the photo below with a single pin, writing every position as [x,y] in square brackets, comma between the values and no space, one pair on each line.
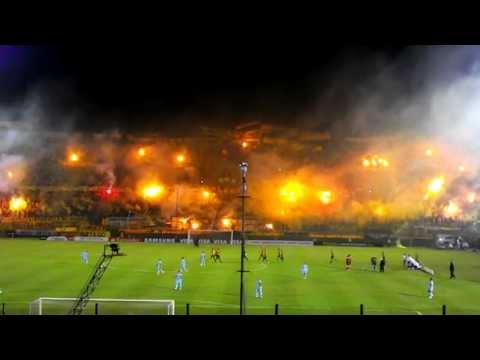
[291,192]
[379,211]
[9,174]
[325,197]
[429,152]
[436,185]
[461,168]
[195,225]
[244,144]
[452,209]
[184,221]
[152,191]
[269,226]
[375,161]
[74,157]
[226,222]
[206,194]
[471,197]
[17,204]
[383,162]
[180,158]
[141,152]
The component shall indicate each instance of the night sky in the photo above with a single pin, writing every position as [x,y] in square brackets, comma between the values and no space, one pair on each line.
[159,86]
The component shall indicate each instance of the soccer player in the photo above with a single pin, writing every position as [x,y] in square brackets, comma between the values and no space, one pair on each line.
[412,264]
[332,256]
[259,289]
[430,289]
[245,255]
[382,264]
[452,270]
[160,267]
[203,261]
[217,252]
[84,256]
[183,265]
[348,262]
[178,280]
[263,255]
[305,270]
[213,255]
[280,255]
[373,262]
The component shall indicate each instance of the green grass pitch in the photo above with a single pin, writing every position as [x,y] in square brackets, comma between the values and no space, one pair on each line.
[30,269]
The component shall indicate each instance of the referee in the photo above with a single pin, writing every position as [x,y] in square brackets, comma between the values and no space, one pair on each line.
[452,270]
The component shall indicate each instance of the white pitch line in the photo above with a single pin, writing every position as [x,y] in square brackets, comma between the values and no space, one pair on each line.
[419,313]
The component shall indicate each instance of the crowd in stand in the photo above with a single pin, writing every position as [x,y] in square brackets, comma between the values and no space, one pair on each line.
[60,204]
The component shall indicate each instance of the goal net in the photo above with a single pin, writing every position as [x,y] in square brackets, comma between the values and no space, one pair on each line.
[61,306]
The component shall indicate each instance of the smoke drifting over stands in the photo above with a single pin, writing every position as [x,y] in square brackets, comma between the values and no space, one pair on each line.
[378,139]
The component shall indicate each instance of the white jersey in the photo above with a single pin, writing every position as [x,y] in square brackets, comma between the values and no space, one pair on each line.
[85,257]
[413,263]
[203,261]
[305,268]
[259,289]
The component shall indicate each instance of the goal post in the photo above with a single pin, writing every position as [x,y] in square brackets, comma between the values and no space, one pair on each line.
[61,306]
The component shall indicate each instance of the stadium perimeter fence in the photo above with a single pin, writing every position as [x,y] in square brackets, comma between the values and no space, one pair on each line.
[97,308]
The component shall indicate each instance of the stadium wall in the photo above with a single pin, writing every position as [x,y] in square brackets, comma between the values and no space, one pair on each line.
[215,237]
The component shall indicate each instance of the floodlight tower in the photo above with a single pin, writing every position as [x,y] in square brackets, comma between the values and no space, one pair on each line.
[243,196]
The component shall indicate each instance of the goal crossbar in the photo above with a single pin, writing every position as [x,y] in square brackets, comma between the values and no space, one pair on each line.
[40,302]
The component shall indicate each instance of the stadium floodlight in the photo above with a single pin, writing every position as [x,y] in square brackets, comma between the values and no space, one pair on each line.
[243,171]
[58,306]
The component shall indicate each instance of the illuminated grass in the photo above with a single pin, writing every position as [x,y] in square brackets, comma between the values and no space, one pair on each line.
[32,268]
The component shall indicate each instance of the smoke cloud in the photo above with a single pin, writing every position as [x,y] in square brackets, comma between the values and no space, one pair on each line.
[416,112]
